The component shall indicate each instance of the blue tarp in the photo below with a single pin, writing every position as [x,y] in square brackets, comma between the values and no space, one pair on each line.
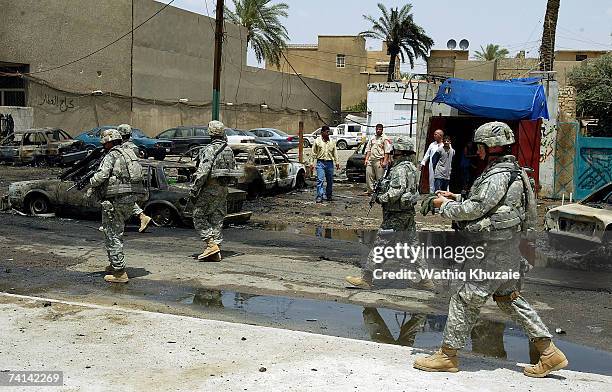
[514,99]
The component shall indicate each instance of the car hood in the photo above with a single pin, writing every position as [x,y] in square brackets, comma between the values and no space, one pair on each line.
[575,210]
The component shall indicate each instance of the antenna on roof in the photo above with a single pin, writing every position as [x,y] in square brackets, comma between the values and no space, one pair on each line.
[464,44]
[451,44]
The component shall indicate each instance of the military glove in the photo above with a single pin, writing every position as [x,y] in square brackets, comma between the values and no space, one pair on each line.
[427,204]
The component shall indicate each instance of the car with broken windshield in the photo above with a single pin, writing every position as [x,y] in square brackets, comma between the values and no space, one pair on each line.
[584,227]
[267,168]
[41,147]
[167,184]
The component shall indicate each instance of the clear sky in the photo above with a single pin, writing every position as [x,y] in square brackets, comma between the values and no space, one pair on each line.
[514,24]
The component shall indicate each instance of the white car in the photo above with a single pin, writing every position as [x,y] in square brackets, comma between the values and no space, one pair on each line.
[343,142]
[234,137]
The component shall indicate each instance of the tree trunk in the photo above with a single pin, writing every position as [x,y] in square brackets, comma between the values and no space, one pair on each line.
[547,50]
[391,70]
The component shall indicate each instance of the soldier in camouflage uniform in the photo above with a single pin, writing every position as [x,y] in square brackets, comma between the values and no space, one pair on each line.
[499,207]
[126,134]
[209,190]
[118,184]
[398,196]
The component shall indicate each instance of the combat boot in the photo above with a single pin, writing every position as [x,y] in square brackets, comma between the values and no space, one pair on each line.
[117,277]
[443,360]
[551,359]
[211,249]
[361,282]
[109,269]
[145,221]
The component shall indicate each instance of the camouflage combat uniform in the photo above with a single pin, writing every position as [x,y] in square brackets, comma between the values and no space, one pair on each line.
[499,206]
[118,182]
[397,199]
[129,145]
[209,193]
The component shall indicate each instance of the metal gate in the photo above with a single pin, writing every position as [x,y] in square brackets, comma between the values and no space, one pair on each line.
[592,164]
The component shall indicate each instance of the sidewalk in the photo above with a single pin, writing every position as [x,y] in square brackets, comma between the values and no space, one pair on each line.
[104,348]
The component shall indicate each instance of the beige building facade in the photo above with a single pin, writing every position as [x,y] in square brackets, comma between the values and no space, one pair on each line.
[456,63]
[341,59]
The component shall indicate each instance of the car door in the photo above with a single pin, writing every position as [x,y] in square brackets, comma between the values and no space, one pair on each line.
[265,166]
[201,136]
[33,146]
[282,166]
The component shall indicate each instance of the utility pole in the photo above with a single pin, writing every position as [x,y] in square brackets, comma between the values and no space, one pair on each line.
[216,97]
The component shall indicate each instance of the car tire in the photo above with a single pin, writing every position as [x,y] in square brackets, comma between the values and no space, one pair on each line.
[306,143]
[300,180]
[162,215]
[142,153]
[342,145]
[160,157]
[38,204]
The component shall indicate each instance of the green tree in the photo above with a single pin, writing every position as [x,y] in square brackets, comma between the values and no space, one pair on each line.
[491,52]
[265,32]
[593,83]
[547,49]
[404,37]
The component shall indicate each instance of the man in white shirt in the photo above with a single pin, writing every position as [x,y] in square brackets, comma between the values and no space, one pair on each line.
[431,150]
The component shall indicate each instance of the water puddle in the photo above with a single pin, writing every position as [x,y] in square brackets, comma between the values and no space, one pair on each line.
[354,235]
[489,338]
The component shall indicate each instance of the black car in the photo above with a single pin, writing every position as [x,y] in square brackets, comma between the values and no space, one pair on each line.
[185,137]
[355,166]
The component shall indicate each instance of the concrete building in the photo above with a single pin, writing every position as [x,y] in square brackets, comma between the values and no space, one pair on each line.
[456,63]
[342,59]
[157,77]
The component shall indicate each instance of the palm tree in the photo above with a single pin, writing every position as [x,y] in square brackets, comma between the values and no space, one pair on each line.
[404,37]
[491,52]
[547,49]
[265,33]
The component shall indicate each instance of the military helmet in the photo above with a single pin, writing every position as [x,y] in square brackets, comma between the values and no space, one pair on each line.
[216,128]
[402,143]
[125,130]
[493,134]
[110,135]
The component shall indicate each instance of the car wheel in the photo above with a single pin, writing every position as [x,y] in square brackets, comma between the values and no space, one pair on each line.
[162,215]
[38,204]
[300,180]
[341,145]
[160,157]
[306,143]
[142,153]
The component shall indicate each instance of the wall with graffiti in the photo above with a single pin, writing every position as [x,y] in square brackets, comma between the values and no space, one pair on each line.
[593,164]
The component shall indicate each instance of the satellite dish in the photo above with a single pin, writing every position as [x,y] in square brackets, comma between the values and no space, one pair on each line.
[464,44]
[451,44]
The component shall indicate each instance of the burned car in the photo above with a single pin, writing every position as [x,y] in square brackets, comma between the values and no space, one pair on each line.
[585,226]
[41,147]
[266,168]
[167,203]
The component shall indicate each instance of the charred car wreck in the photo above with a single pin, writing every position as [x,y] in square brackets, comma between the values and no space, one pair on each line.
[584,227]
[266,169]
[167,185]
[41,147]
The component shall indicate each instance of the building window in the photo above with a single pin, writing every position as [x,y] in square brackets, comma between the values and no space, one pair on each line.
[12,89]
[580,57]
[340,61]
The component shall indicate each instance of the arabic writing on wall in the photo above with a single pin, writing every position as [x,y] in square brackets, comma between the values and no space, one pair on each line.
[392,86]
[63,103]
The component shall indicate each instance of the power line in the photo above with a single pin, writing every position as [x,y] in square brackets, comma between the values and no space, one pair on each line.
[105,46]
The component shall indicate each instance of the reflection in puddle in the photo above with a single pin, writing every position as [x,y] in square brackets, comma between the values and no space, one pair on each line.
[361,236]
[489,338]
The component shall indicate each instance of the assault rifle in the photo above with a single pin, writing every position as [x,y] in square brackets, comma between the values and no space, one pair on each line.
[82,171]
[378,187]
